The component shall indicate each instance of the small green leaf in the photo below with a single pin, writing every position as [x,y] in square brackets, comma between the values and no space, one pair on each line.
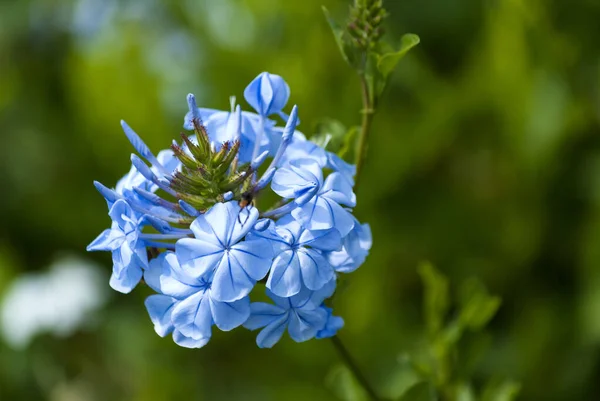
[478,307]
[386,63]
[343,384]
[329,134]
[422,391]
[436,296]
[349,143]
[350,53]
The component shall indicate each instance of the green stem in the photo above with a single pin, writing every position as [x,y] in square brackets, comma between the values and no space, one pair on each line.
[349,361]
[367,118]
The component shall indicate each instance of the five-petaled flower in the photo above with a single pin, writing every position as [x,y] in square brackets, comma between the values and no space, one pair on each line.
[218,247]
[302,314]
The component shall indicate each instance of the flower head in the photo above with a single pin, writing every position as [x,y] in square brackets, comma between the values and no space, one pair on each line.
[188,220]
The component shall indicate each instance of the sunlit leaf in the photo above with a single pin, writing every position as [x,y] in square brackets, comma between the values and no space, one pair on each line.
[423,391]
[478,307]
[387,62]
[436,296]
[501,391]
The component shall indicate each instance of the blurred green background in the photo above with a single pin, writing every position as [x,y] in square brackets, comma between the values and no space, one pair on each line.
[484,159]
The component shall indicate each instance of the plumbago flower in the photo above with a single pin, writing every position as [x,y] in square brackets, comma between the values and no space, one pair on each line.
[188,221]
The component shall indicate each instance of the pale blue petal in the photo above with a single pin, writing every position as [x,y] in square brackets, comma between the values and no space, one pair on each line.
[159,308]
[263,314]
[304,324]
[121,213]
[108,240]
[229,315]
[339,190]
[153,272]
[285,279]
[316,270]
[198,256]
[231,282]
[267,94]
[215,225]
[173,280]
[324,240]
[271,334]
[188,342]
[126,280]
[192,316]
[347,170]
[254,256]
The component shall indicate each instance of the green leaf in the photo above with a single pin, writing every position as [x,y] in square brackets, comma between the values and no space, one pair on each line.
[350,53]
[436,296]
[506,390]
[387,62]
[343,384]
[423,391]
[349,143]
[329,134]
[478,307]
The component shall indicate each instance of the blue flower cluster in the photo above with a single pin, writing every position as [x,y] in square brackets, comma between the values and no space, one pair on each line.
[187,223]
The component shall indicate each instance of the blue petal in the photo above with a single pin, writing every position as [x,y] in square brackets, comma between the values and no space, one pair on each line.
[316,270]
[126,279]
[267,94]
[284,279]
[333,324]
[229,315]
[304,324]
[108,240]
[324,240]
[254,256]
[189,342]
[192,316]
[167,277]
[339,190]
[231,281]
[198,256]
[347,170]
[271,334]
[122,214]
[321,214]
[160,308]
[300,180]
[263,314]
[301,148]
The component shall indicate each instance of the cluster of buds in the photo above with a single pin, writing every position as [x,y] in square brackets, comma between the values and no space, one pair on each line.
[189,224]
[364,25]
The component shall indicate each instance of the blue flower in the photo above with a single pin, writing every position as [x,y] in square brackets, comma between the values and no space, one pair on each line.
[303,315]
[318,203]
[333,324]
[267,94]
[218,247]
[356,246]
[298,259]
[128,250]
[187,306]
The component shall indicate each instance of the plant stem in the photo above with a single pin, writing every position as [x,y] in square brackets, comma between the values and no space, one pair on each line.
[349,361]
[367,112]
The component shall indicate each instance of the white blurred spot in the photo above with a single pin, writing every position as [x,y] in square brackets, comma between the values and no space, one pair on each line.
[58,301]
